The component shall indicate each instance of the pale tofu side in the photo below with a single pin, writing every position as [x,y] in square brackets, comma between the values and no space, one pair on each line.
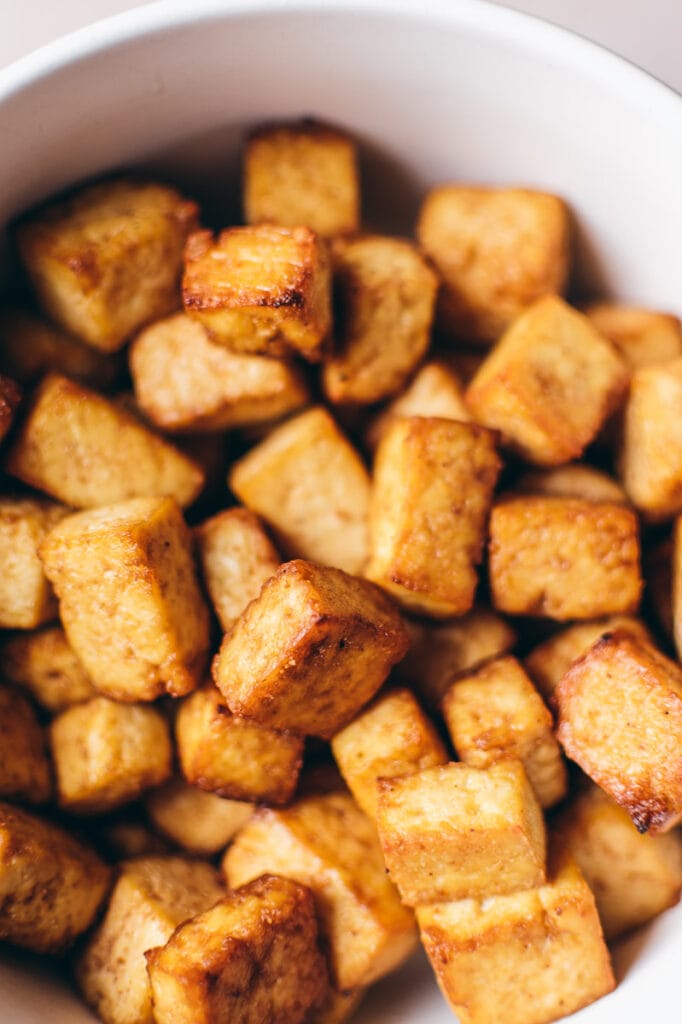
[24,767]
[43,663]
[26,597]
[643,336]
[572,481]
[201,823]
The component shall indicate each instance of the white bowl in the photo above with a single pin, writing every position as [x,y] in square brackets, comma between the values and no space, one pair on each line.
[436,89]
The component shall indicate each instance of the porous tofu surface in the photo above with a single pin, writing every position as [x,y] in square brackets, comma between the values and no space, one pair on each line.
[43,663]
[496,251]
[432,490]
[327,843]
[455,831]
[572,481]
[201,823]
[620,719]
[311,487]
[644,337]
[26,597]
[24,767]
[312,650]
[564,558]
[253,957]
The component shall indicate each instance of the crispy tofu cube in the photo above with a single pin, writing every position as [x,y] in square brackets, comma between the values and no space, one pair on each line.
[496,250]
[643,336]
[571,481]
[105,754]
[454,831]
[24,768]
[26,597]
[391,738]
[253,957]
[549,384]
[10,397]
[302,173]
[563,558]
[236,558]
[495,712]
[327,843]
[44,664]
[433,485]
[261,289]
[387,293]
[201,823]
[185,382]
[87,452]
[235,757]
[527,958]
[310,651]
[107,260]
[51,885]
[620,719]
[129,598]
[311,487]
[633,877]
[153,895]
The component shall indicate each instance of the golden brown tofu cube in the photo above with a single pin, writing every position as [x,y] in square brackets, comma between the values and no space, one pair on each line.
[327,843]
[527,958]
[44,664]
[495,712]
[129,598]
[643,336]
[51,885]
[105,754]
[496,250]
[387,293]
[24,768]
[153,895]
[302,173]
[235,757]
[549,384]
[26,597]
[87,452]
[571,481]
[451,832]
[253,957]
[391,738]
[185,382]
[201,823]
[236,558]
[107,260]
[620,719]
[261,289]
[564,558]
[433,485]
[439,651]
[310,651]
[633,877]
[311,486]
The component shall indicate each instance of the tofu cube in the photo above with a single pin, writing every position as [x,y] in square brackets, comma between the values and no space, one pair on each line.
[85,451]
[496,712]
[51,884]
[571,481]
[433,486]
[563,558]
[24,768]
[328,844]
[633,877]
[105,754]
[527,958]
[496,250]
[644,337]
[236,558]
[153,895]
[185,382]
[310,651]
[235,757]
[26,597]
[387,292]
[454,832]
[391,738]
[200,823]
[261,289]
[302,173]
[311,487]
[45,664]
[339,1007]
[129,598]
[549,384]
[620,719]
[107,260]
[253,957]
